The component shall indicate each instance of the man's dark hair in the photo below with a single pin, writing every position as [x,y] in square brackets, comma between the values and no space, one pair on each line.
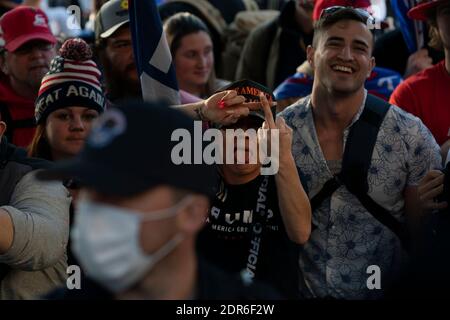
[328,21]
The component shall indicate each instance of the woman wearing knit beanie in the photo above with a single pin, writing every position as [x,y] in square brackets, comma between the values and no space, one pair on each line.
[69,99]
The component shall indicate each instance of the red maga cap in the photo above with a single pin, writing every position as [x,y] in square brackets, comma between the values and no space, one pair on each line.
[23,24]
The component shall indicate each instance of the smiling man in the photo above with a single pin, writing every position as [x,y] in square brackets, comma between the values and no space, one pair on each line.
[361,160]
[27,50]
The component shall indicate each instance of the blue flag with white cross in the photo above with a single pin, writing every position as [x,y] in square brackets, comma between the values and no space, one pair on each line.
[151,53]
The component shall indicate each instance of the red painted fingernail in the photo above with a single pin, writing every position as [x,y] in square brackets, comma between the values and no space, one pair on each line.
[221,104]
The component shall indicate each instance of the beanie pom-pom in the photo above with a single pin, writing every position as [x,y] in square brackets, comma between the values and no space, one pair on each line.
[76,49]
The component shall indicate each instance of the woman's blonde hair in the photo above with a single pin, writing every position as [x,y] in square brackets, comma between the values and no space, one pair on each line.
[433,32]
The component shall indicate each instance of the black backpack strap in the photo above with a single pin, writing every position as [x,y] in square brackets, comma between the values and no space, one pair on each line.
[357,159]
[358,152]
[383,216]
[356,163]
[327,190]
[360,144]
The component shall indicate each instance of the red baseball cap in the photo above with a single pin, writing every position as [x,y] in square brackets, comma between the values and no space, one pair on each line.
[23,24]
[422,10]
[323,4]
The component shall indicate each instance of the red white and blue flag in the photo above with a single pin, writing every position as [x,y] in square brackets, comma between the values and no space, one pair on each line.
[413,31]
[151,53]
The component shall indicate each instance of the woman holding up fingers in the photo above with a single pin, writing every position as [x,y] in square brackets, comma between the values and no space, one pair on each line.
[258,216]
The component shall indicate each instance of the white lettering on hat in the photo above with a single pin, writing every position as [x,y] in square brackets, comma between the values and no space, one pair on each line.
[100,99]
[72,91]
[84,92]
[49,99]
[39,21]
[94,96]
[56,93]
[43,102]
[52,97]
[107,127]
[40,106]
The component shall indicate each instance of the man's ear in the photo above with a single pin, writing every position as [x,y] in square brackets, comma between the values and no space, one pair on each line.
[372,65]
[2,128]
[310,55]
[193,217]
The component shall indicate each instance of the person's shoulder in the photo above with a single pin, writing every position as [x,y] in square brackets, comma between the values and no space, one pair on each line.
[297,85]
[402,117]
[297,110]
[422,78]
[406,92]
[216,284]
[265,28]
[17,158]
[407,125]
[19,155]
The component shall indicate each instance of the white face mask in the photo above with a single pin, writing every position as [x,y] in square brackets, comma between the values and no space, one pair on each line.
[105,239]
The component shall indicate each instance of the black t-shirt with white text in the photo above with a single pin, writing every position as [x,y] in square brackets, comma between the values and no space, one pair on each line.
[226,239]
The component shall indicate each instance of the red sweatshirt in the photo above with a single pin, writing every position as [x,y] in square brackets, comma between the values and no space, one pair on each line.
[427,96]
[14,107]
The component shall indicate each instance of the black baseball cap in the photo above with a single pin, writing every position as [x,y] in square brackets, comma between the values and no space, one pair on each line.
[250,90]
[129,150]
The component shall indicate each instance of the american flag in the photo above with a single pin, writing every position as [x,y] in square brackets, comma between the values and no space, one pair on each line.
[151,53]
[413,31]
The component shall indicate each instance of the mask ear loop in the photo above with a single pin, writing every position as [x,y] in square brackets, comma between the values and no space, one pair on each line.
[167,212]
[165,249]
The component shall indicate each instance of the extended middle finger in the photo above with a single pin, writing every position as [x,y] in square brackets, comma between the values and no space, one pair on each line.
[267,112]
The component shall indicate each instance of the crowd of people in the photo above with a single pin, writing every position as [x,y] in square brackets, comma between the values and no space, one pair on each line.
[87,170]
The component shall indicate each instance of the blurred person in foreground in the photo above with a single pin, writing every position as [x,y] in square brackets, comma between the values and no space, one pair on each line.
[138,213]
